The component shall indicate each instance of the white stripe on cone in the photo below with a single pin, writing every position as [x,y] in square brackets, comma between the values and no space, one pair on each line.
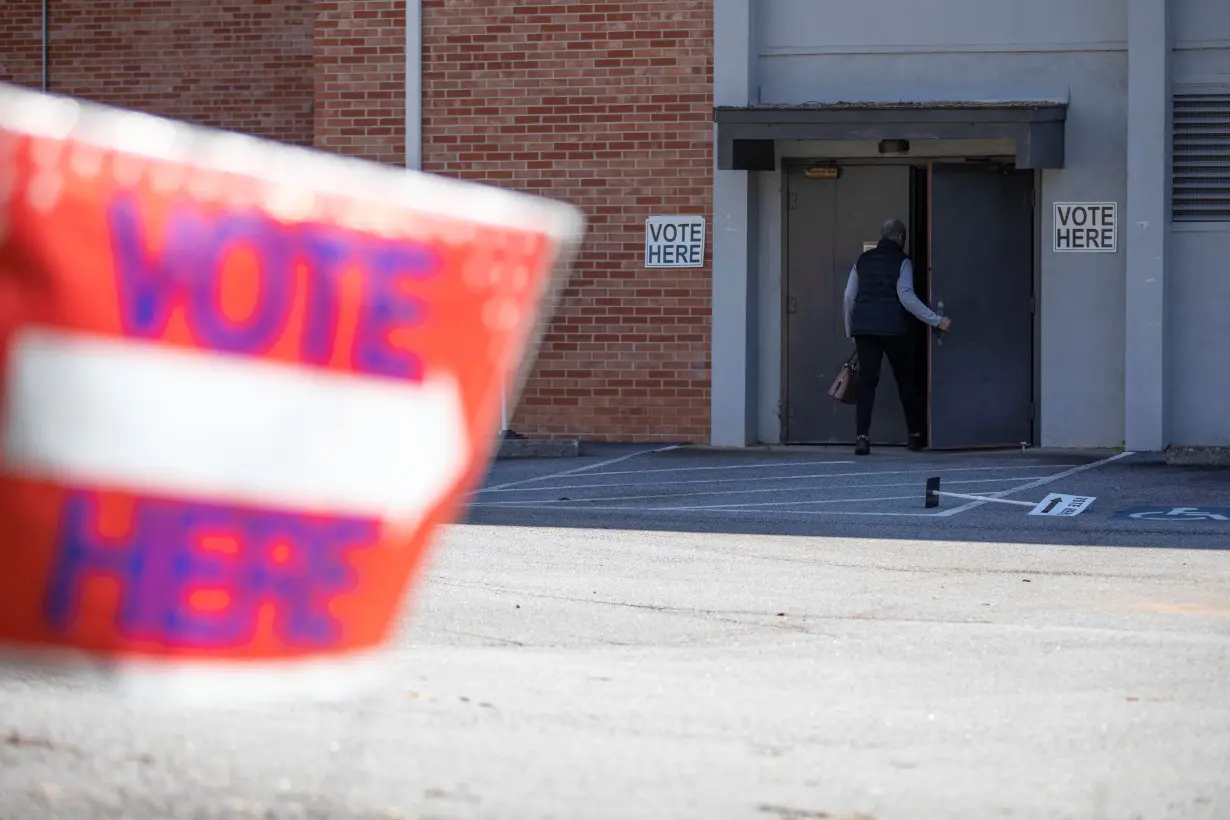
[92,410]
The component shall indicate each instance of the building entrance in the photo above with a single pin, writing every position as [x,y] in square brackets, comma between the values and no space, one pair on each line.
[972,241]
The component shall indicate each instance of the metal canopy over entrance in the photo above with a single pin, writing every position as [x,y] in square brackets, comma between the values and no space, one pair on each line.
[746,134]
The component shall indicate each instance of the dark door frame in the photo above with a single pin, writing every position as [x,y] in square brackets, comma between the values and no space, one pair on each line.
[792,163]
[1037,290]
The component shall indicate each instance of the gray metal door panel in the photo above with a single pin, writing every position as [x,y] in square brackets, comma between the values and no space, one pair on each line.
[810,415]
[828,223]
[982,272]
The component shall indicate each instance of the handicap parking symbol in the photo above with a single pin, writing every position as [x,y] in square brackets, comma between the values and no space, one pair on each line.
[1217,515]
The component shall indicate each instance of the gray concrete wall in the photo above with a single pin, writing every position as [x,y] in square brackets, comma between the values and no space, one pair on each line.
[802,27]
[1199,338]
[995,49]
[1146,225]
[734,367]
[1198,346]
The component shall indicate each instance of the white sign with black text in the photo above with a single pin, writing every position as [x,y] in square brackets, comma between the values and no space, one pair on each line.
[1090,227]
[674,241]
[1065,505]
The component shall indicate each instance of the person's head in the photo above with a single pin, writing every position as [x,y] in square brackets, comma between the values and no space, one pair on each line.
[894,230]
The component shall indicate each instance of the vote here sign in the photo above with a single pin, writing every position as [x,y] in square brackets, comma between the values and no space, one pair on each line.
[674,241]
[1086,226]
[243,384]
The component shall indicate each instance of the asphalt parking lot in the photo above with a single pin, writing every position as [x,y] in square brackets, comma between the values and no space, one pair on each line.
[828,491]
[759,635]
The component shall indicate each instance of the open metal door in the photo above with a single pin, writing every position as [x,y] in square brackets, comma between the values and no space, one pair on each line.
[981,253]
[829,223]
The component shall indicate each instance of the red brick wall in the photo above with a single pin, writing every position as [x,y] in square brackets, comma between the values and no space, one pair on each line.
[330,74]
[20,43]
[604,104]
[607,105]
[240,65]
[360,78]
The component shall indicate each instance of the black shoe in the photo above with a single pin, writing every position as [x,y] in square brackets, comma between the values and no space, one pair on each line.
[916,443]
[863,447]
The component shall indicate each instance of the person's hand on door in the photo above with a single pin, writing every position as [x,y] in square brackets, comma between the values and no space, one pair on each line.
[945,323]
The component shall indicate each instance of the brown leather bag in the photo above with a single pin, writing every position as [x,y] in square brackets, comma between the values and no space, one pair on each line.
[845,386]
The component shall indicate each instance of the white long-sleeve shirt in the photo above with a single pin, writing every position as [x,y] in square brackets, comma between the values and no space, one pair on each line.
[905,292]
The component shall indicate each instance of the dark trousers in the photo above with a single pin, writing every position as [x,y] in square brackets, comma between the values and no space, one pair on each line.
[900,353]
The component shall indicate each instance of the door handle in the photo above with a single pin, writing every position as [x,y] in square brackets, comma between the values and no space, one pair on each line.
[939,334]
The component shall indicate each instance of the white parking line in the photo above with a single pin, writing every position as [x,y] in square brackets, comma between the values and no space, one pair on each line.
[549,502]
[822,512]
[762,504]
[499,488]
[577,470]
[589,509]
[674,483]
[1033,484]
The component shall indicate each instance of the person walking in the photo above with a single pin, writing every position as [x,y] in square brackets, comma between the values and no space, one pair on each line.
[880,306]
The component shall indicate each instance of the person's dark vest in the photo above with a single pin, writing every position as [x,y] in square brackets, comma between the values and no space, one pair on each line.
[877,309]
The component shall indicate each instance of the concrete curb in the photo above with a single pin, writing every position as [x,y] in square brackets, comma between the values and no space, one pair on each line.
[1198,456]
[830,450]
[538,448]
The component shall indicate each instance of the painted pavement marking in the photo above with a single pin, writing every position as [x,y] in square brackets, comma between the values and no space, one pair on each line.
[1038,483]
[674,483]
[552,502]
[578,470]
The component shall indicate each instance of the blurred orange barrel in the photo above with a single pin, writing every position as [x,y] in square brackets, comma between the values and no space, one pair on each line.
[241,387]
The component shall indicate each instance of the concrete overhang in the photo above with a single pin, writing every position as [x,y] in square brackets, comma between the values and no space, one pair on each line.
[1036,126]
